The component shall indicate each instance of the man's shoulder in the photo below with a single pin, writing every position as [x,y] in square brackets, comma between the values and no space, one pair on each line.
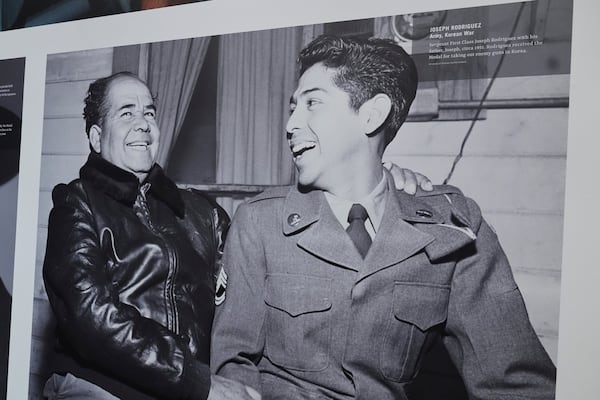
[64,191]
[197,197]
[450,201]
[202,204]
[439,190]
[271,194]
[443,194]
[265,206]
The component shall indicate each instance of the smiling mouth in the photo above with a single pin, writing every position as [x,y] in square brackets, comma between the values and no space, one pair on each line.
[300,148]
[139,145]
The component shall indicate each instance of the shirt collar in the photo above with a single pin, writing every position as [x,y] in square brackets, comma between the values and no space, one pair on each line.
[374,203]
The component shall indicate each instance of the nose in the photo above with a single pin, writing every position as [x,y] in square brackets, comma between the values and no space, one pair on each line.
[141,123]
[294,122]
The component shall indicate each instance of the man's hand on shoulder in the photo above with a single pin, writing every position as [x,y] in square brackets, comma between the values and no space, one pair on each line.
[408,180]
[222,388]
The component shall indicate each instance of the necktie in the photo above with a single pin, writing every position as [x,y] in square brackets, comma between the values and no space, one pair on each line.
[357,231]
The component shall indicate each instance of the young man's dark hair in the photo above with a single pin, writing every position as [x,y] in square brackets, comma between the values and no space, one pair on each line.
[366,67]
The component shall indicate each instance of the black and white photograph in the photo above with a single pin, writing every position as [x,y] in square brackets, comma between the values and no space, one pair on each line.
[369,208]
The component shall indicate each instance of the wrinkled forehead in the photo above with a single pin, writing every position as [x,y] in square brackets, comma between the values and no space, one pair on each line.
[128,89]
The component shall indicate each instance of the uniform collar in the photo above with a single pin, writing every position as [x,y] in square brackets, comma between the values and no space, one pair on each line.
[123,186]
[374,203]
[302,208]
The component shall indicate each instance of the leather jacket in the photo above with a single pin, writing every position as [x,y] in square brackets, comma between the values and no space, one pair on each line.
[130,272]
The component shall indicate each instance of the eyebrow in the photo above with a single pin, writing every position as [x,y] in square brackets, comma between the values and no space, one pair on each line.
[293,98]
[131,105]
[125,106]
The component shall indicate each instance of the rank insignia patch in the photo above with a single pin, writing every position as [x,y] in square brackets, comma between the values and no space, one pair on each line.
[221,286]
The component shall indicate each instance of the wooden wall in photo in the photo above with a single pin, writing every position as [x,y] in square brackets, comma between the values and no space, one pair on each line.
[64,150]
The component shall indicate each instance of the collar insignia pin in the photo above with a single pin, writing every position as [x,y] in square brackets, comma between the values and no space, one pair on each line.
[293,219]
[424,213]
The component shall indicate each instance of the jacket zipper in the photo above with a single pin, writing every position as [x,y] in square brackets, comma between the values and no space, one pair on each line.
[169,293]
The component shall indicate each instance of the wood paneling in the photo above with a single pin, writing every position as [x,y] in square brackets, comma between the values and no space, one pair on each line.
[43,323]
[44,208]
[65,99]
[42,237]
[77,66]
[42,342]
[542,297]
[514,184]
[507,133]
[39,290]
[64,150]
[530,87]
[523,184]
[551,346]
[65,136]
[60,169]
[530,240]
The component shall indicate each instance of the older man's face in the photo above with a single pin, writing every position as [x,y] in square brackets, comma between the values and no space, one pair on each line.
[129,134]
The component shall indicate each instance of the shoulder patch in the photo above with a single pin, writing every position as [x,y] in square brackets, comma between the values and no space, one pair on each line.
[221,287]
[275,192]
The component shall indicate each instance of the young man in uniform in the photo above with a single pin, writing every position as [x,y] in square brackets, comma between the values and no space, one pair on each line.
[337,287]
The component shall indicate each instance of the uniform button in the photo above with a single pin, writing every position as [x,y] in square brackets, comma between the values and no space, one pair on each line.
[293,219]
[424,213]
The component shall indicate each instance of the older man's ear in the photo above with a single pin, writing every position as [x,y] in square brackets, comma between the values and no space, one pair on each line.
[94,137]
[408,180]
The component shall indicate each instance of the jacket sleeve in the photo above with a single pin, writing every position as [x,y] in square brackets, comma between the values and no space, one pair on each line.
[489,336]
[221,223]
[110,335]
[237,336]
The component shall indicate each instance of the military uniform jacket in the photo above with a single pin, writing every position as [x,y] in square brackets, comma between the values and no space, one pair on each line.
[306,317]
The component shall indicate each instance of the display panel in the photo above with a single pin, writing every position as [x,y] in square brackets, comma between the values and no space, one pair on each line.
[560,98]
[475,124]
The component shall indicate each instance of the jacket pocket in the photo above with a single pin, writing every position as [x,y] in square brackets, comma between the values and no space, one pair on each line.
[298,326]
[417,308]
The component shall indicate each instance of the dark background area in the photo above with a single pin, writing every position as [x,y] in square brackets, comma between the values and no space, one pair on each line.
[25,13]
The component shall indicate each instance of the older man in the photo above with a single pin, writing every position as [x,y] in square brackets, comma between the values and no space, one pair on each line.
[130,263]
[338,287]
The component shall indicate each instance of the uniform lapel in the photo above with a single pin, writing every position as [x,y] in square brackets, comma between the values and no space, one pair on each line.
[397,239]
[309,216]
[408,226]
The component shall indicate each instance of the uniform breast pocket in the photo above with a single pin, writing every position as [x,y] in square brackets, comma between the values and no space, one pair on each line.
[417,309]
[298,321]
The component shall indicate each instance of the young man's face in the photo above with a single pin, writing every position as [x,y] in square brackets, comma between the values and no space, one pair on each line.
[324,132]
[129,134]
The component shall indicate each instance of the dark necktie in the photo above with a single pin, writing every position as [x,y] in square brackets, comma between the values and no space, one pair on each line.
[357,231]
